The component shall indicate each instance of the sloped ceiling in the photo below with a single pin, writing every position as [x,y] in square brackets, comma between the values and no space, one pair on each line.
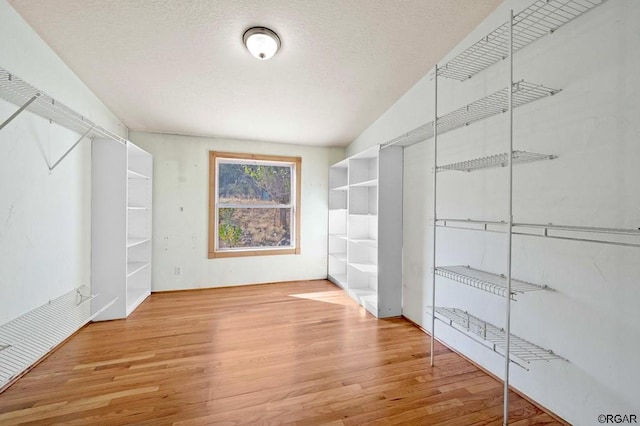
[177,66]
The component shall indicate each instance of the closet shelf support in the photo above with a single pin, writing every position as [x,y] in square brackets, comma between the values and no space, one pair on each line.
[19,111]
[71,149]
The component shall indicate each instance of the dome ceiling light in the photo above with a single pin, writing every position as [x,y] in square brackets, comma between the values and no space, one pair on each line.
[261,42]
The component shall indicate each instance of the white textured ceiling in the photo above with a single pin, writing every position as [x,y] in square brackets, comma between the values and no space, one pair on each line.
[179,66]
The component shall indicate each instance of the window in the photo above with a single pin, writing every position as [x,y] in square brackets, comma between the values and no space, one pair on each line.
[254,205]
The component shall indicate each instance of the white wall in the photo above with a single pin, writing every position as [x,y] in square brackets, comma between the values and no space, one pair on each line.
[45,228]
[180,219]
[592,317]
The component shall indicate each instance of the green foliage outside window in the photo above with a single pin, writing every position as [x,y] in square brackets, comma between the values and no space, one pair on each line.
[229,234]
[249,185]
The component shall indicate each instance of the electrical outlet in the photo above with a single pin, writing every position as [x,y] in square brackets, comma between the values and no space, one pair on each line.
[324,261]
[177,270]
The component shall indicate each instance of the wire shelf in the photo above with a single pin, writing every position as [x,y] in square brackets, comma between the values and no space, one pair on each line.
[15,90]
[486,281]
[541,18]
[494,104]
[521,351]
[419,134]
[624,237]
[498,160]
[611,236]
[26,339]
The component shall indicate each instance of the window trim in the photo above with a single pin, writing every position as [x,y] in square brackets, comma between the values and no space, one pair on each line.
[213,156]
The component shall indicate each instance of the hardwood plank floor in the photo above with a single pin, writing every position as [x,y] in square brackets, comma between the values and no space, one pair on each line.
[287,353]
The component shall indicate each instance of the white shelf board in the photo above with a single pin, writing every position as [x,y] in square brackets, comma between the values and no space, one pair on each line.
[341,164]
[134,267]
[367,153]
[138,208]
[367,183]
[340,279]
[341,236]
[339,256]
[369,268]
[340,188]
[135,175]
[359,293]
[132,242]
[365,242]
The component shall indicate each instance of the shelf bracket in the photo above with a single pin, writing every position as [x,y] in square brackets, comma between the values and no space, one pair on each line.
[80,297]
[70,149]
[17,113]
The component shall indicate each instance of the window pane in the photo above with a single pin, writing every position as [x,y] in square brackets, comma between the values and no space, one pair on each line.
[253,184]
[251,227]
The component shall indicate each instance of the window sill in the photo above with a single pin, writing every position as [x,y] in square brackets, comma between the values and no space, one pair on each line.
[247,253]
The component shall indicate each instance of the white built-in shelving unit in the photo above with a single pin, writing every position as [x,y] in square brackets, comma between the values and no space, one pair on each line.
[28,338]
[541,18]
[122,177]
[338,192]
[365,229]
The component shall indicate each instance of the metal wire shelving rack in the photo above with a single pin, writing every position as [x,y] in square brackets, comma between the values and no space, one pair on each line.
[542,17]
[496,103]
[26,339]
[17,91]
[497,160]
[487,281]
[521,352]
[624,237]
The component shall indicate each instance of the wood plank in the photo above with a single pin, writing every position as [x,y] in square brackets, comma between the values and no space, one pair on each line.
[300,352]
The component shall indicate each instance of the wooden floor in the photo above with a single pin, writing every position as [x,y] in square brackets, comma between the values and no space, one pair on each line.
[290,353]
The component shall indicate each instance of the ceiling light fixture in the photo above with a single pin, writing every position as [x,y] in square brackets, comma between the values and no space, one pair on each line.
[261,42]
